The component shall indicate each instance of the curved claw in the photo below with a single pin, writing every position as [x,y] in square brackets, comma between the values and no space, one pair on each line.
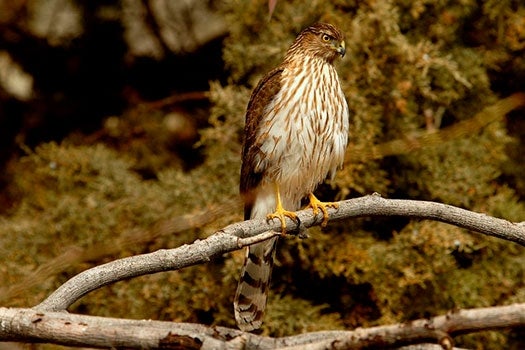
[317,205]
[281,214]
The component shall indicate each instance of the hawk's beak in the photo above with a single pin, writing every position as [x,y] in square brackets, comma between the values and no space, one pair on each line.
[341,49]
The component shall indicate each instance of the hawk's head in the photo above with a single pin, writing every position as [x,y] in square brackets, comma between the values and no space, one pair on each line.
[321,40]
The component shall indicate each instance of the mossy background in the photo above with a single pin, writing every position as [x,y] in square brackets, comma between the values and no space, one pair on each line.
[412,68]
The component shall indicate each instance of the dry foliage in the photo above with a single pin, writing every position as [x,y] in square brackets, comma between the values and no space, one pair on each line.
[414,69]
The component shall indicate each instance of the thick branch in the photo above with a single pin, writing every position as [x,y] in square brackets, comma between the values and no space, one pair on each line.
[248,232]
[69,329]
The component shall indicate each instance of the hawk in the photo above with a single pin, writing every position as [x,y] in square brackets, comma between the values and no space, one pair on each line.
[296,134]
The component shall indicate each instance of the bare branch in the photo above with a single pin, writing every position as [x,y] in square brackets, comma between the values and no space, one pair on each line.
[241,234]
[374,205]
[78,330]
[75,255]
[200,251]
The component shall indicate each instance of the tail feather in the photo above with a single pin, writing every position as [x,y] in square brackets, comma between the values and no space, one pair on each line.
[252,291]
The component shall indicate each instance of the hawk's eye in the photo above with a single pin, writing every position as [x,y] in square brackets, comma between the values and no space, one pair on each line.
[326,37]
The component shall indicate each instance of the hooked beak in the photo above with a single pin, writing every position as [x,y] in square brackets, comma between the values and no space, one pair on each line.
[341,49]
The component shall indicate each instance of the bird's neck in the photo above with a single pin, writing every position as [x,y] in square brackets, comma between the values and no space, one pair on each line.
[303,60]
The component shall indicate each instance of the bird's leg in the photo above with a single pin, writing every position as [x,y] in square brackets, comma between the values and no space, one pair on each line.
[280,213]
[316,204]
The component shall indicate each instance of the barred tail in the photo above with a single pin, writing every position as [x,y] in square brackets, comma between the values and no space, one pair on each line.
[252,291]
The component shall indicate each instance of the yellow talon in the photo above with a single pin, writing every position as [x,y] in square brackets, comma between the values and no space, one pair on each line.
[316,204]
[280,213]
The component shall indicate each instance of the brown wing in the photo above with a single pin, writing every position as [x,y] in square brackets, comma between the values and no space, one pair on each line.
[262,95]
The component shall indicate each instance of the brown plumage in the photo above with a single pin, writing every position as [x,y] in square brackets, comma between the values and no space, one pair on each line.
[295,137]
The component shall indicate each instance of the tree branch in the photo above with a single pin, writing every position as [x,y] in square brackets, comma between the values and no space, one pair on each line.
[103,332]
[200,251]
[241,234]
[48,323]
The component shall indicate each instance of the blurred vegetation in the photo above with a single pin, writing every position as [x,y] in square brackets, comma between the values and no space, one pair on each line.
[418,75]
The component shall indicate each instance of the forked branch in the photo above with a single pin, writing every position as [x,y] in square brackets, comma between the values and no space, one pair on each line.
[47,322]
[244,233]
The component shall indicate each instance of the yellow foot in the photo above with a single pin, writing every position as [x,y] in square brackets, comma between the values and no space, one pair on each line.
[281,214]
[316,204]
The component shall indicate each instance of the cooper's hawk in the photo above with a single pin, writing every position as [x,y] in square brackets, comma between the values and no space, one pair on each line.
[295,136]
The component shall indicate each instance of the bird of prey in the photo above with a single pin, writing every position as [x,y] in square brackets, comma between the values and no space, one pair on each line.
[295,137]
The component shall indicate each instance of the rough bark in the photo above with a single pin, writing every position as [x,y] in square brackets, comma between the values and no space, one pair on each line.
[103,332]
[49,321]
